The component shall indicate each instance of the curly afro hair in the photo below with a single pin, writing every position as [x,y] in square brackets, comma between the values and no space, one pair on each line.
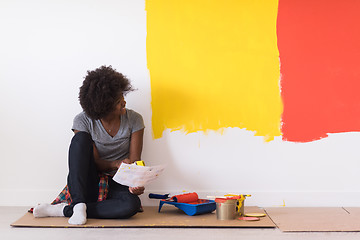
[101,90]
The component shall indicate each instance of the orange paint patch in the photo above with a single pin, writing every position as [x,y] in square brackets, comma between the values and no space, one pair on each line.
[319,45]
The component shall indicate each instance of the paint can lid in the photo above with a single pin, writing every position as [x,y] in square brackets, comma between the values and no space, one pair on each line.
[249,218]
[225,200]
[254,214]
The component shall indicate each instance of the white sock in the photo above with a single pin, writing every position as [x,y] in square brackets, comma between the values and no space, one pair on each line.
[79,215]
[48,210]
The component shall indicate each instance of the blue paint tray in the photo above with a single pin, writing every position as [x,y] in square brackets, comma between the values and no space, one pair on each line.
[201,206]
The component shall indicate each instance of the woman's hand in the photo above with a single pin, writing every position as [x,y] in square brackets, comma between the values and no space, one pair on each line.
[127,161]
[117,163]
[137,190]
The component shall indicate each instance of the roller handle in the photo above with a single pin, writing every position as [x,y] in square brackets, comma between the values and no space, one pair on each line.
[158,196]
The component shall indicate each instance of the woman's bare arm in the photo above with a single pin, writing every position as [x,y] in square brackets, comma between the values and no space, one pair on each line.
[136,145]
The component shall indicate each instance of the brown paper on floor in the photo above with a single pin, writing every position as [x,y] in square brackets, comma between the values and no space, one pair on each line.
[313,219]
[168,217]
[354,213]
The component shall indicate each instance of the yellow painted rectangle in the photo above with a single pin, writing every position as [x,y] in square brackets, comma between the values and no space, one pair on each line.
[214,64]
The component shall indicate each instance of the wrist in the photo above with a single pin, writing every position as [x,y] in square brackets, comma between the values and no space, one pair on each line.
[116,164]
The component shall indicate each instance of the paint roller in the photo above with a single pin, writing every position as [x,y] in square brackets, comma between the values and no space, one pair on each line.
[186,198]
[180,198]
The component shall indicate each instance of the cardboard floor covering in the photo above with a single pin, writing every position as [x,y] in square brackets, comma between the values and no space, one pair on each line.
[168,217]
[321,219]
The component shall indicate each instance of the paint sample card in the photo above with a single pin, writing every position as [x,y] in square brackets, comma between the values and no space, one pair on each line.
[213,65]
[133,175]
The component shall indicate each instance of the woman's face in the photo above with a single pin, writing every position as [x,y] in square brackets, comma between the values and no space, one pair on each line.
[120,105]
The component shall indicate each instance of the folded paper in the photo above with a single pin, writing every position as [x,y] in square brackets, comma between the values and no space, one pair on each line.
[137,176]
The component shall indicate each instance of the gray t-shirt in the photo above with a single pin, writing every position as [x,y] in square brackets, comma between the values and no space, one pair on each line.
[110,148]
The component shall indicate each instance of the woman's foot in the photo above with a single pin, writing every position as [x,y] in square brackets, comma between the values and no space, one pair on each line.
[79,214]
[48,210]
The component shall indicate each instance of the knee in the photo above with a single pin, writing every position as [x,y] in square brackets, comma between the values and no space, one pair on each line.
[82,138]
[81,145]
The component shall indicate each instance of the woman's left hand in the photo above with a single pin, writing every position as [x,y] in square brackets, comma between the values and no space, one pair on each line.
[137,190]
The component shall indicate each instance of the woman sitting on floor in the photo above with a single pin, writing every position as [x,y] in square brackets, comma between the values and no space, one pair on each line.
[106,134]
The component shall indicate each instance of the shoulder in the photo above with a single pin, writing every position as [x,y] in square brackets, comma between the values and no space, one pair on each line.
[131,114]
[135,120]
[82,122]
[81,117]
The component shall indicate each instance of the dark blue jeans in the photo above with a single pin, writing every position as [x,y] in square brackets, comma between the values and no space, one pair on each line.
[83,183]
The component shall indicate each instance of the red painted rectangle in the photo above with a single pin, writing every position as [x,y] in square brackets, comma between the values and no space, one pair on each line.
[319,45]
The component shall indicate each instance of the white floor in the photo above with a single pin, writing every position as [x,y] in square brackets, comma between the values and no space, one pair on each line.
[10,214]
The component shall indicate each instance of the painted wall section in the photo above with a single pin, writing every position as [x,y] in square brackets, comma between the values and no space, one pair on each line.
[214,64]
[319,45]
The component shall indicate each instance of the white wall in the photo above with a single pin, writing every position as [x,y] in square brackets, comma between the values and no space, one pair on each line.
[46,47]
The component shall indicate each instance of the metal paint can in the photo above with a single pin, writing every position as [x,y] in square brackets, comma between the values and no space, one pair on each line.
[226,209]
